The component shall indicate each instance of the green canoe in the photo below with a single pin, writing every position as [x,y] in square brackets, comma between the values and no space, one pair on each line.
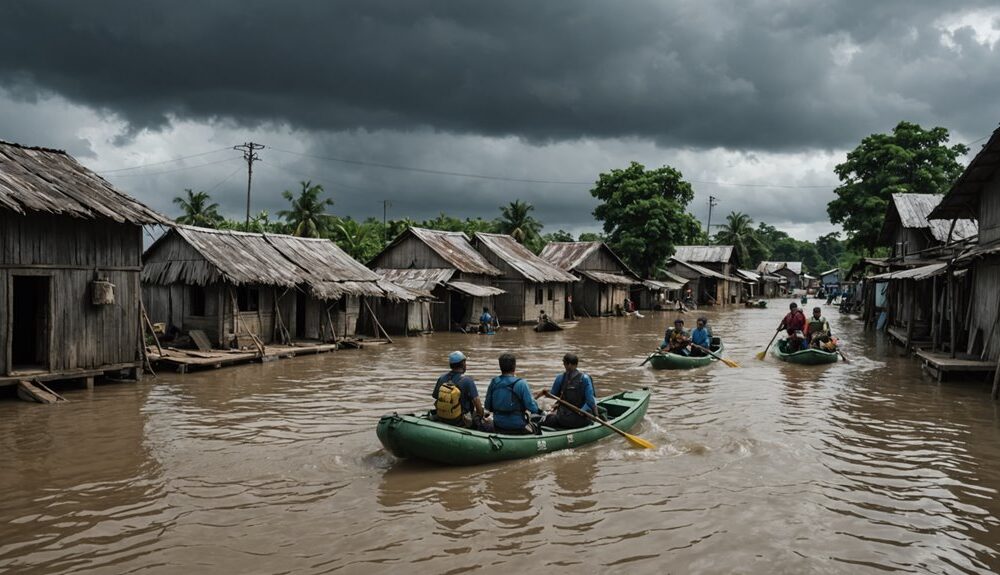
[805,356]
[664,360]
[414,435]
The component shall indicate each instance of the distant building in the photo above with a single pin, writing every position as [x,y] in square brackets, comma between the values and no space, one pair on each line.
[721,285]
[791,271]
[448,269]
[604,279]
[830,279]
[70,257]
[530,284]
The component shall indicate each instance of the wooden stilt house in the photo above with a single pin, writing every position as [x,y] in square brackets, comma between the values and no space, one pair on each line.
[240,287]
[445,267]
[70,257]
[603,279]
[722,287]
[531,284]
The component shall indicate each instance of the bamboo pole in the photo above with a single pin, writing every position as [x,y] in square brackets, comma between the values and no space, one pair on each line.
[954,303]
[377,322]
[333,330]
[239,322]
[152,332]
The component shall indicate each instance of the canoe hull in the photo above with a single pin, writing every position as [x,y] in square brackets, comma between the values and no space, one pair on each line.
[415,436]
[806,356]
[675,361]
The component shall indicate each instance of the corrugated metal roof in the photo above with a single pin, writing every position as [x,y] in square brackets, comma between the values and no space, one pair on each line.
[527,264]
[917,274]
[670,276]
[658,285]
[51,181]
[322,259]
[771,267]
[608,278]
[828,272]
[704,254]
[424,280]
[456,249]
[569,255]
[475,290]
[962,200]
[705,271]
[748,275]
[913,211]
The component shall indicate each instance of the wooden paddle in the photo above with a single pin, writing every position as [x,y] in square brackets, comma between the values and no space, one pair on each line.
[645,361]
[728,362]
[843,356]
[763,354]
[637,441]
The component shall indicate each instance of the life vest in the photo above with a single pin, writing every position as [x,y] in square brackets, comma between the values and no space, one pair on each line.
[503,398]
[448,401]
[816,325]
[571,392]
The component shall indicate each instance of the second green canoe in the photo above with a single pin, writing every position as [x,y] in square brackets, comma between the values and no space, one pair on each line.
[663,360]
[805,356]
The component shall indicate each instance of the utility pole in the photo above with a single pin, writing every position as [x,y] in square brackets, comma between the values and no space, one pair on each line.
[712,202]
[249,150]
[385,229]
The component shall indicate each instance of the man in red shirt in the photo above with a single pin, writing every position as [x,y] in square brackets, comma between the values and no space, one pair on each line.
[794,322]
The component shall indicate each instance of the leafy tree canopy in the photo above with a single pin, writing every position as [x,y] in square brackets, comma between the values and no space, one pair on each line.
[591,237]
[198,209]
[909,160]
[644,213]
[307,216]
[738,232]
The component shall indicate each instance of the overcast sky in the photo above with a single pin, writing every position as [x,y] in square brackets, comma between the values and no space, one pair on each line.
[766,94]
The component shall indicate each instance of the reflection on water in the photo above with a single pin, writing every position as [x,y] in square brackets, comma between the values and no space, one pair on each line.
[853,467]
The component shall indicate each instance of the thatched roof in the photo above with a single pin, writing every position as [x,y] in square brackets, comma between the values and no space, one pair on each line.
[704,254]
[525,263]
[453,247]
[425,280]
[51,181]
[244,258]
[911,211]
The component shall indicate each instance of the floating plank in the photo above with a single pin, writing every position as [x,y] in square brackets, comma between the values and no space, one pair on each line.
[28,392]
[200,340]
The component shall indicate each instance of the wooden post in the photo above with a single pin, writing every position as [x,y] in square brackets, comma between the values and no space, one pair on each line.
[954,303]
[239,322]
[377,323]
[911,294]
[333,330]
[934,307]
[996,381]
[145,318]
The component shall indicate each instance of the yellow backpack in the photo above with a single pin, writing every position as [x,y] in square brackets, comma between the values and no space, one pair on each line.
[448,403]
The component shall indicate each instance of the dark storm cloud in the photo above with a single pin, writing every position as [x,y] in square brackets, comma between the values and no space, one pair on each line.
[763,75]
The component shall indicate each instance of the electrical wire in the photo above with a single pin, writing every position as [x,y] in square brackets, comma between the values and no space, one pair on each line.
[164,161]
[175,169]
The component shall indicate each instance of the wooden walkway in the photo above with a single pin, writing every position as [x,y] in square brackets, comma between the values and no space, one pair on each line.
[185,359]
[940,365]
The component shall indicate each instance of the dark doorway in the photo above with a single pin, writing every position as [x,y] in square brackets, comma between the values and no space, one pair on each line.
[458,308]
[300,315]
[30,329]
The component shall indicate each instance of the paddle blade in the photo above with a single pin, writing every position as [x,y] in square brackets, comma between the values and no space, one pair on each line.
[761,355]
[730,363]
[639,442]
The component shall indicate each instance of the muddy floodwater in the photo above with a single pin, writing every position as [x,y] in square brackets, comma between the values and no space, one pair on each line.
[866,467]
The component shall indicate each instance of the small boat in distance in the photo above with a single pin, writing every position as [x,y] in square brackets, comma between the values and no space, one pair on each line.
[811,356]
[667,360]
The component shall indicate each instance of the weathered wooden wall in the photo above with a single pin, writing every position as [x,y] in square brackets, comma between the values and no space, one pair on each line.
[410,253]
[986,305]
[70,251]
[553,306]
[989,212]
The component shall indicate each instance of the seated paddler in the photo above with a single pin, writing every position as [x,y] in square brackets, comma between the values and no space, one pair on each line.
[701,335]
[576,388]
[510,400]
[677,339]
[456,399]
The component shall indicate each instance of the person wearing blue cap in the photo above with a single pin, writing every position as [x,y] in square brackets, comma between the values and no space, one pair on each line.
[456,399]
[509,397]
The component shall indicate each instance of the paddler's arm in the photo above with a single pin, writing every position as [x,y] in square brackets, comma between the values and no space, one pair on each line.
[589,401]
[478,405]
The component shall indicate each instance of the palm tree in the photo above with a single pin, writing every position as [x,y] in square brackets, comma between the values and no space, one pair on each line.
[516,220]
[352,237]
[198,210]
[307,218]
[738,231]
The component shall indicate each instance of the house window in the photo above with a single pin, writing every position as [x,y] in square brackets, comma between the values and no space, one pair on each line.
[551,294]
[196,300]
[539,296]
[248,299]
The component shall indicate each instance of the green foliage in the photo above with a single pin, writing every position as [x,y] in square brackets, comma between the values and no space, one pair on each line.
[644,214]
[738,232]
[591,237]
[516,219]
[362,240]
[260,223]
[307,217]
[558,236]
[198,210]
[909,160]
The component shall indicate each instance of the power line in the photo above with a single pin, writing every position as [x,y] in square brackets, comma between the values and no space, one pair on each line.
[173,170]
[249,150]
[163,162]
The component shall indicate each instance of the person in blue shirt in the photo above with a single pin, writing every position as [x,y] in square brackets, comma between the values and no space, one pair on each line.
[701,335]
[459,404]
[575,387]
[509,397]
[486,321]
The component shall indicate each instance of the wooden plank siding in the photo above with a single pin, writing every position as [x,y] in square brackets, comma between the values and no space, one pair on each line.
[518,304]
[410,253]
[72,253]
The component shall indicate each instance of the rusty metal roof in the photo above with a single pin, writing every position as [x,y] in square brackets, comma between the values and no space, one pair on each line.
[455,247]
[704,254]
[527,264]
[771,267]
[51,181]
[705,272]
[911,211]
[962,200]
[421,279]
[569,255]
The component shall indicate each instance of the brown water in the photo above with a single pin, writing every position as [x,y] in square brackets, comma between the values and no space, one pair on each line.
[864,467]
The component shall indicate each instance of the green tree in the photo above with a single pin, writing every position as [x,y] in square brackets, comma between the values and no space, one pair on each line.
[558,236]
[198,210]
[307,217]
[644,214]
[516,220]
[909,160]
[591,237]
[361,240]
[738,232]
